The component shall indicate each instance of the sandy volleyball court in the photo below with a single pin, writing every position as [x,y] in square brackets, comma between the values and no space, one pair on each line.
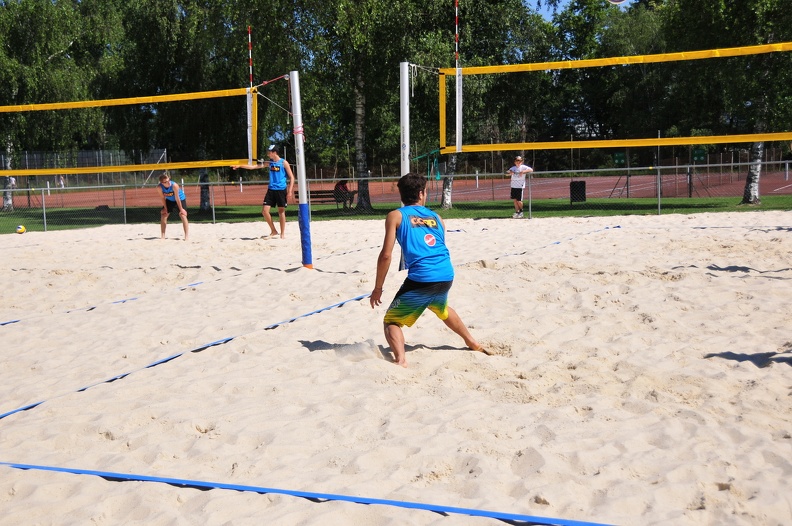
[643,375]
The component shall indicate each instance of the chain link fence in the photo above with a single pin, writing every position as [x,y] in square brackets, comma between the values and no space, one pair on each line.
[675,189]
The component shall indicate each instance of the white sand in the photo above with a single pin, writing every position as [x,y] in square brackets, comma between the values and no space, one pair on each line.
[601,406]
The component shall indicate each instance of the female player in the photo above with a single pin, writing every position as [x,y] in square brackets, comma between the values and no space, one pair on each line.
[170,202]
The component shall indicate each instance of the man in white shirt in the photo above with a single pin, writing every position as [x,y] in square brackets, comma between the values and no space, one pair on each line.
[517,173]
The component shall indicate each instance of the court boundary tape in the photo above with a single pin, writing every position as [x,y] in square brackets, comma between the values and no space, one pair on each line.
[199,484]
[180,288]
[113,476]
[167,359]
[559,241]
[268,327]
[197,283]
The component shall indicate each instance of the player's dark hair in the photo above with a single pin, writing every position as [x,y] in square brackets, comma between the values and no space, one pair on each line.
[410,185]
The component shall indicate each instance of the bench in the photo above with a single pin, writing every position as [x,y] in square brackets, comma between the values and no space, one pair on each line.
[324,196]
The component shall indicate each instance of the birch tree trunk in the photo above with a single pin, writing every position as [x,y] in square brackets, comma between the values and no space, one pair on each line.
[203,179]
[361,168]
[751,191]
[8,200]
[448,183]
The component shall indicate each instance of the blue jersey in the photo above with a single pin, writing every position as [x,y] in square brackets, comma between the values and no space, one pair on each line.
[168,193]
[277,180]
[422,238]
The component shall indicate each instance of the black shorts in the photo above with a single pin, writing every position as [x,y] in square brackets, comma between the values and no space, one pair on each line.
[275,198]
[517,194]
[171,206]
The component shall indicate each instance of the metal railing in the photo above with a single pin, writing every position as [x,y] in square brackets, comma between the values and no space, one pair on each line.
[646,190]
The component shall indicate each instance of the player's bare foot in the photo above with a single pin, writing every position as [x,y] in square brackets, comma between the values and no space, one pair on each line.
[401,362]
[481,348]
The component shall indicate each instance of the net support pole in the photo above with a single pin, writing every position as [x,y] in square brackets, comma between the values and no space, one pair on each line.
[404,115]
[250,138]
[303,210]
[459,109]
[458,79]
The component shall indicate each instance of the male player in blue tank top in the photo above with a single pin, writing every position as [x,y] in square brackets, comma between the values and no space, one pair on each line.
[421,235]
[279,192]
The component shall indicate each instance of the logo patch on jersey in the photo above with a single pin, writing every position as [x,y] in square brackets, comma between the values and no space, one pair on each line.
[416,221]
[430,240]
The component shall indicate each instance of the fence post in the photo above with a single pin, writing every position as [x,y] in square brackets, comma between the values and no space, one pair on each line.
[211,200]
[659,191]
[123,200]
[530,198]
[690,182]
[492,185]
[44,209]
[786,171]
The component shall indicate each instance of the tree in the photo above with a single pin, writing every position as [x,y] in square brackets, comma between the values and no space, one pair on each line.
[746,94]
[46,56]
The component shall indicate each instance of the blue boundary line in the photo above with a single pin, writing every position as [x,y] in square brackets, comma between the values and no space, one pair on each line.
[295,493]
[268,327]
[200,348]
[126,477]
[93,307]
[195,284]
[258,489]
[559,242]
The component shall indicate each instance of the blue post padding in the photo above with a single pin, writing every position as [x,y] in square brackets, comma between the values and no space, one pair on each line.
[304,217]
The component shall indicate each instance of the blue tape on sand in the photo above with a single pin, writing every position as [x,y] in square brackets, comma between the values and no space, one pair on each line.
[195,350]
[126,477]
[122,301]
[20,409]
[558,242]
[340,304]
[117,302]
[124,375]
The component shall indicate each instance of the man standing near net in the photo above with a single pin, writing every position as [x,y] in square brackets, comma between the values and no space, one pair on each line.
[517,173]
[173,198]
[421,235]
[278,191]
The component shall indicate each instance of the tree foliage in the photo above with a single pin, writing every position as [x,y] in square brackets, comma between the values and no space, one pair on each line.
[348,54]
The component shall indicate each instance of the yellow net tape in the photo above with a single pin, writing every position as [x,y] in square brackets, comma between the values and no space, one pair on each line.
[612,61]
[124,102]
[623,143]
[635,59]
[124,168]
[198,95]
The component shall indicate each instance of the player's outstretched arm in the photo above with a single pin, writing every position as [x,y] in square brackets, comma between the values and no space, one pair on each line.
[250,166]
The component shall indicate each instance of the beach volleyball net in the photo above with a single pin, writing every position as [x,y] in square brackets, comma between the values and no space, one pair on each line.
[144,108]
[602,169]
[459,73]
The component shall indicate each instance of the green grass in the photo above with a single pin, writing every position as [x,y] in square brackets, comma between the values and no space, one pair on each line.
[70,218]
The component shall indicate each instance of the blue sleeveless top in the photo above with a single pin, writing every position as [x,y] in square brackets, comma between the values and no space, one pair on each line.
[277,180]
[422,238]
[168,193]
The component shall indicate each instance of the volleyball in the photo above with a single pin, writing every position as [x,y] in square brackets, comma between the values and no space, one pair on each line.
[21,229]
[617,2]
